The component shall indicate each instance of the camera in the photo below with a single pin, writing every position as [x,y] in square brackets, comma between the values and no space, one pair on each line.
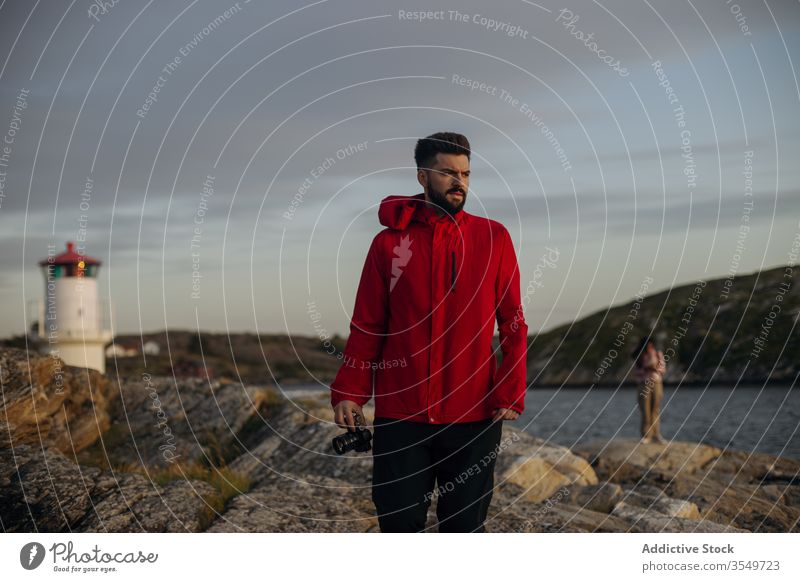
[360,440]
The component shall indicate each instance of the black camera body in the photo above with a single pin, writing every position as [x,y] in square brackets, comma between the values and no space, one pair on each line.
[359,440]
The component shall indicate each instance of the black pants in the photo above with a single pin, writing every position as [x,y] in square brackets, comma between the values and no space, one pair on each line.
[416,461]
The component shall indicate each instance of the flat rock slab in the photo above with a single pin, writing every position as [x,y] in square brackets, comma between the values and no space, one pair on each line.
[751,467]
[661,503]
[626,460]
[730,503]
[539,467]
[570,518]
[49,493]
[300,503]
[653,521]
[601,497]
[156,422]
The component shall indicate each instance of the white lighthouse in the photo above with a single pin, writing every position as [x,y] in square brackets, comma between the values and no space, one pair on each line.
[70,319]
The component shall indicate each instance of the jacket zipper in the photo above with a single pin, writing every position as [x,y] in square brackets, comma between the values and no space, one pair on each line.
[453,271]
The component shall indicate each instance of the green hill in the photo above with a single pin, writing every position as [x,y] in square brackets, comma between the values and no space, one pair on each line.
[719,331]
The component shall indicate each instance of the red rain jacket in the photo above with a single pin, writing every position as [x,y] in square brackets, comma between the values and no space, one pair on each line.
[430,291]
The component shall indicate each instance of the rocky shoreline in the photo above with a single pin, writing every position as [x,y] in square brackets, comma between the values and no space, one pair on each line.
[80,452]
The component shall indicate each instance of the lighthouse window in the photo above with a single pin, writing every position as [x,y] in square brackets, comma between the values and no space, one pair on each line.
[70,270]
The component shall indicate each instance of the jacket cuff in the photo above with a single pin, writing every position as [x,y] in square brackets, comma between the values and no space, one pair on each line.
[517,405]
[338,396]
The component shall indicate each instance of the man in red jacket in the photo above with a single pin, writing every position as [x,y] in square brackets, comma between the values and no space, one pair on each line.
[433,284]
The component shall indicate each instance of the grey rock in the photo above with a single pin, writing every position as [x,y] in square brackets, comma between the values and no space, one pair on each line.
[539,467]
[601,497]
[661,503]
[785,494]
[656,522]
[300,503]
[156,422]
[46,492]
[45,401]
[628,460]
[740,505]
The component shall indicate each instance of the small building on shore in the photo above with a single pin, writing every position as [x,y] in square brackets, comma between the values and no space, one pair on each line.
[120,349]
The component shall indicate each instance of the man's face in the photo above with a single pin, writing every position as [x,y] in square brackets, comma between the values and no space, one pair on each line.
[447,181]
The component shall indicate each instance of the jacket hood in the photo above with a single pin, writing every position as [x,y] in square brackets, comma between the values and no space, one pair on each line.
[397,212]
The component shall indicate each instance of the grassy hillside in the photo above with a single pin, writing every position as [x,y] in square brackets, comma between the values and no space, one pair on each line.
[708,332]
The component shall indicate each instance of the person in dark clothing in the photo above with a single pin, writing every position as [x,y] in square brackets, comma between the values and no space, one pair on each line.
[434,283]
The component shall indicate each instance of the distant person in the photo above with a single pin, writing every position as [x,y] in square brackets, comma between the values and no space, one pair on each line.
[434,283]
[649,368]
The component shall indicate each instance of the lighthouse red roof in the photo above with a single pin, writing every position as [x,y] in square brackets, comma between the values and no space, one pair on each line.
[69,257]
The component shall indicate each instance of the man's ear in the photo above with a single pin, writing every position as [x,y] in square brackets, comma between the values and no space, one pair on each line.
[422,178]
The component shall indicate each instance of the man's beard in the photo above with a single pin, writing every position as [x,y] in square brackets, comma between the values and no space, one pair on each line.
[440,199]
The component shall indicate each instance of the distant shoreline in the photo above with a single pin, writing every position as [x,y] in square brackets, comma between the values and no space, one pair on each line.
[692,385]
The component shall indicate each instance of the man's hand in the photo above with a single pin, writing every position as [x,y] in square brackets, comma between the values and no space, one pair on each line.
[343,414]
[504,414]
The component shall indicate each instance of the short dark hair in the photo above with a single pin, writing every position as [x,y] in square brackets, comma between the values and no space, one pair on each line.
[444,142]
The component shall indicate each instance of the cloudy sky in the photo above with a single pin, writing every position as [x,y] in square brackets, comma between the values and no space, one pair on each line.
[188,140]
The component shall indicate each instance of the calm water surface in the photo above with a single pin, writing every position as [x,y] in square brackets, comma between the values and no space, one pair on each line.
[747,418]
